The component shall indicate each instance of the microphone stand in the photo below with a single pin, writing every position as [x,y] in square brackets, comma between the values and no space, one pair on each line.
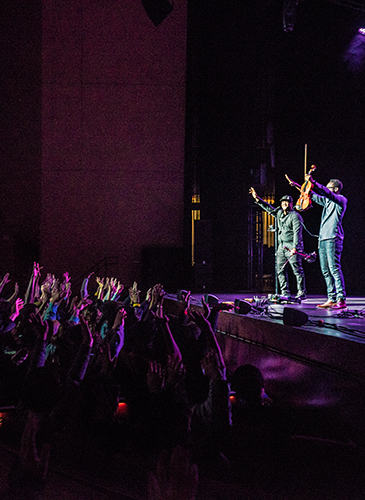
[274,229]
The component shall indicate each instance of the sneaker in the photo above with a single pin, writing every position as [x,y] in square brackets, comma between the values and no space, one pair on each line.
[327,305]
[341,304]
[301,296]
[285,296]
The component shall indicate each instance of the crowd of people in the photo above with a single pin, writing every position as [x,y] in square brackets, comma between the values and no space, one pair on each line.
[111,367]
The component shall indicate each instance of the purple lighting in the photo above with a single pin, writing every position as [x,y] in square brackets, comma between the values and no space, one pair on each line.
[362,31]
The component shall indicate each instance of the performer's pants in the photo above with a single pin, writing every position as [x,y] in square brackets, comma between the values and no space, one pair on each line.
[330,260]
[295,262]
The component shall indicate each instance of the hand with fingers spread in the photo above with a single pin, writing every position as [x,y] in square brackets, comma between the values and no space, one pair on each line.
[119,319]
[253,193]
[100,283]
[155,378]
[175,371]
[5,280]
[19,304]
[134,294]
[37,270]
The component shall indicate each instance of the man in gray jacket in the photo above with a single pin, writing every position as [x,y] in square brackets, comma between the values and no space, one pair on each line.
[290,241]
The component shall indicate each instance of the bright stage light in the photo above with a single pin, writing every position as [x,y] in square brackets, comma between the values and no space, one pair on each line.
[362,31]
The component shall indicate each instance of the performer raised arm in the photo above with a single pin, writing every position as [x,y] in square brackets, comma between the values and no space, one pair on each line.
[290,241]
[331,237]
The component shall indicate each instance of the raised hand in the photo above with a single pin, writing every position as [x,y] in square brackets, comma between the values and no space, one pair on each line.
[57,295]
[39,326]
[87,337]
[175,370]
[19,304]
[4,281]
[119,319]
[134,293]
[292,183]
[199,318]
[212,366]
[155,377]
[100,281]
[37,270]
[253,192]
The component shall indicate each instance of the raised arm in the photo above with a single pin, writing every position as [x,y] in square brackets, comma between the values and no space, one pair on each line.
[13,298]
[207,329]
[33,283]
[292,183]
[171,346]
[262,203]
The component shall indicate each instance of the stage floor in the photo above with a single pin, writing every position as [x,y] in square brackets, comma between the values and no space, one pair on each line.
[348,324]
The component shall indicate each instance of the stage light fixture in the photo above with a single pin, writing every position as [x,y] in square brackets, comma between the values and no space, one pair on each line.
[362,31]
[157,10]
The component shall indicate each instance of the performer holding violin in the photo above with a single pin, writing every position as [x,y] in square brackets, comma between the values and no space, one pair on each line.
[290,242]
[331,237]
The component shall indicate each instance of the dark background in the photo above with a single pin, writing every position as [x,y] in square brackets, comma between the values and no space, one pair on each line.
[244,74]
[245,71]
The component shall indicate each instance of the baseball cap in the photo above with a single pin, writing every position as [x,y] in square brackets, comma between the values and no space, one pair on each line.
[287,198]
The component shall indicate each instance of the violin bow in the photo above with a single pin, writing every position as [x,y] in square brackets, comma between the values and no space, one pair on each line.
[305,159]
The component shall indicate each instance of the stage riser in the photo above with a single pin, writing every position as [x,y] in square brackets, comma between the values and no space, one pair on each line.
[320,378]
[323,402]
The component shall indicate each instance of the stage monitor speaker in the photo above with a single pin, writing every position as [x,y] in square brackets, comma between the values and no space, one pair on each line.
[211,300]
[241,307]
[293,317]
[157,10]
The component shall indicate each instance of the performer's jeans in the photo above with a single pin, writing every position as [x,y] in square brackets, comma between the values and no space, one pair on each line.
[295,262]
[330,260]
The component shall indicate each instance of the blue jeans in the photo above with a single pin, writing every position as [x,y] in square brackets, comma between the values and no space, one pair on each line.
[330,260]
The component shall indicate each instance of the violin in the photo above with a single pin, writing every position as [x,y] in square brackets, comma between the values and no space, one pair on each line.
[304,201]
